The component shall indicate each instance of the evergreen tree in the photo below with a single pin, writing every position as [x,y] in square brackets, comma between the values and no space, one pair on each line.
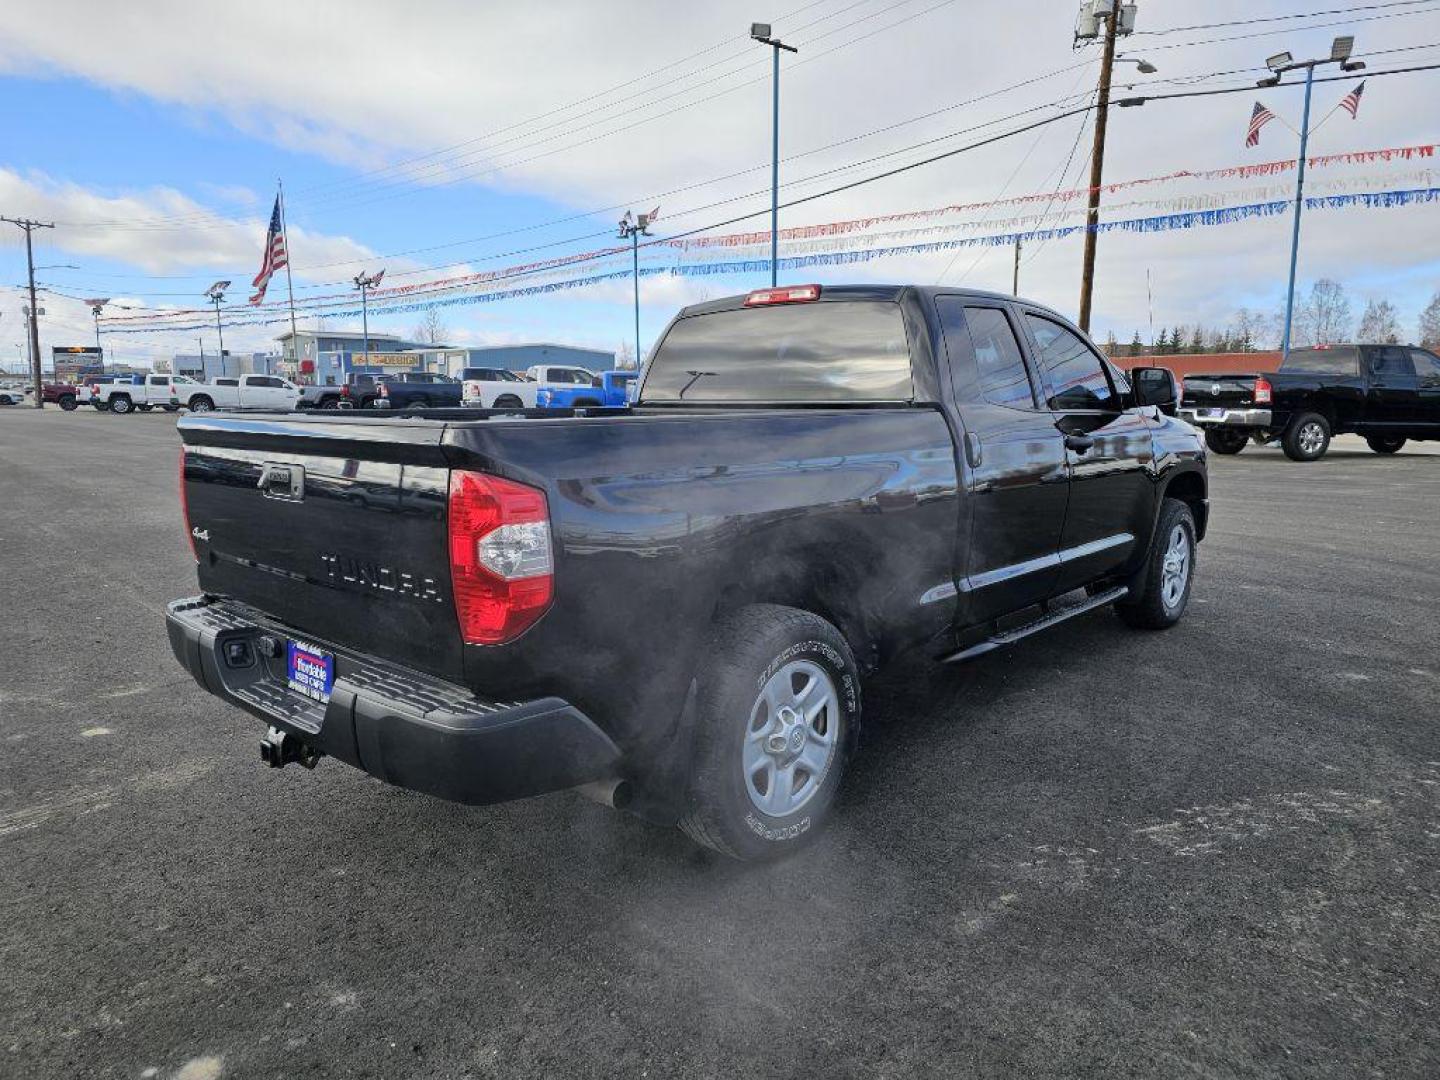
[1176,337]
[1197,340]
[1137,347]
[1163,345]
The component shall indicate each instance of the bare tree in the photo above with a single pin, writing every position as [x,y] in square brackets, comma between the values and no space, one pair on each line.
[1251,330]
[431,329]
[1380,325]
[1430,323]
[1323,316]
[624,356]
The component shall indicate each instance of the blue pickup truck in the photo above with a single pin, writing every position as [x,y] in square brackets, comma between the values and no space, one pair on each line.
[609,388]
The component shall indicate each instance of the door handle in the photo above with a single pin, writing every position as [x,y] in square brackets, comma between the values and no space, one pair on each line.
[1079,443]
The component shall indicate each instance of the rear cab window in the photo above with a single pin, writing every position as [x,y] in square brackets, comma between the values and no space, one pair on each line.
[1334,360]
[986,363]
[822,351]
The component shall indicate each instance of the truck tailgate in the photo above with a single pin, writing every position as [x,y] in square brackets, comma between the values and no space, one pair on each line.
[1219,391]
[336,527]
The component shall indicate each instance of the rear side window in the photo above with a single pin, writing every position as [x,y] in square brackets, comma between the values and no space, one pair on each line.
[1391,360]
[1427,367]
[999,367]
[1337,360]
[1077,377]
[814,352]
[227,382]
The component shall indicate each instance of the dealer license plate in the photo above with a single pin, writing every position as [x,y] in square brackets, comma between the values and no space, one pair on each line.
[309,670]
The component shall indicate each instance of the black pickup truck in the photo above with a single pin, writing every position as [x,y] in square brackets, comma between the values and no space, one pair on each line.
[671,603]
[1387,393]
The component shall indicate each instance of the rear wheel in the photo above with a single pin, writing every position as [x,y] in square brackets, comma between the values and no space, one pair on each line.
[777,711]
[1162,591]
[329,403]
[1384,444]
[144,408]
[1226,440]
[508,401]
[120,405]
[421,402]
[201,403]
[1307,438]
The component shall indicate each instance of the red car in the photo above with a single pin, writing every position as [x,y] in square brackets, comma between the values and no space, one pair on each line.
[63,394]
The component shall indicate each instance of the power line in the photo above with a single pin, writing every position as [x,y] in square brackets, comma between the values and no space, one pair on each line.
[1278,18]
[1286,30]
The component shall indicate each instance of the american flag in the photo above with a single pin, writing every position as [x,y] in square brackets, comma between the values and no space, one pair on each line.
[275,255]
[1351,104]
[1258,119]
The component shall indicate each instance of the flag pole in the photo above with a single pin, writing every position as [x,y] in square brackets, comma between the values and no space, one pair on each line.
[289,281]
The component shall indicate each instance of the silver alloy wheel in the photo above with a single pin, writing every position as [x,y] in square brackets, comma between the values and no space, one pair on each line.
[791,738]
[200,405]
[1175,570]
[1311,438]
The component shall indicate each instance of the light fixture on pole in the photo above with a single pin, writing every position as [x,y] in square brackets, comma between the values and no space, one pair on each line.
[216,295]
[97,306]
[761,32]
[1280,63]
[1145,67]
[365,282]
[632,231]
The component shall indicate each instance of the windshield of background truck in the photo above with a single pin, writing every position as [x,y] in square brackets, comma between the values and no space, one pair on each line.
[838,351]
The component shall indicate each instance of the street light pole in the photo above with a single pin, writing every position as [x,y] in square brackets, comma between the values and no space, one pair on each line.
[1340,50]
[97,306]
[216,295]
[365,283]
[633,232]
[761,32]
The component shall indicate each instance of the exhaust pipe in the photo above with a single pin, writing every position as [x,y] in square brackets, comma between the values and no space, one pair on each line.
[614,793]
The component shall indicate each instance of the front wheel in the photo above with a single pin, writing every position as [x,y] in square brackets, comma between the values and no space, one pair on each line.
[68,402]
[1162,590]
[1307,438]
[1226,440]
[1385,444]
[777,712]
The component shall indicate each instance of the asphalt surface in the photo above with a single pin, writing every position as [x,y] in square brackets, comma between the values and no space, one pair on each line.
[1209,852]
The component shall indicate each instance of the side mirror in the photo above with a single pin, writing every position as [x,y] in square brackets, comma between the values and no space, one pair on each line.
[1156,386]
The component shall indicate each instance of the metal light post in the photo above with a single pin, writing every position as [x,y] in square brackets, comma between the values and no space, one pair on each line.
[97,306]
[633,232]
[761,32]
[216,295]
[365,283]
[1340,50]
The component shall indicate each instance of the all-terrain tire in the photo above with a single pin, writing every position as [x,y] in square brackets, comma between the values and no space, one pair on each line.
[1157,599]
[201,403]
[1307,438]
[755,656]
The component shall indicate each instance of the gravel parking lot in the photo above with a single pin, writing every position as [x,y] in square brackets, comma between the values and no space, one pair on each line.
[1208,852]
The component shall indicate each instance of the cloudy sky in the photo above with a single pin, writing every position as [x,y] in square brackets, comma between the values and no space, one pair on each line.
[435,138]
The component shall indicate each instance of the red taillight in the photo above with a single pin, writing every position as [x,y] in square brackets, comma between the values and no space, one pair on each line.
[384,390]
[793,294]
[501,567]
[1263,391]
[185,509]
[345,390]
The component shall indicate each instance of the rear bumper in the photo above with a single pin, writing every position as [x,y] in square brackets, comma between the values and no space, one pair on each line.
[1209,417]
[399,725]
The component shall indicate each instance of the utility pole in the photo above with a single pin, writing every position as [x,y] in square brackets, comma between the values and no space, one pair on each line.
[365,282]
[1097,159]
[97,306]
[29,227]
[1015,278]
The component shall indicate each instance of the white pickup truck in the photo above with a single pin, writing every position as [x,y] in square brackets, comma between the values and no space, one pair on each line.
[172,392]
[142,392]
[241,392]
